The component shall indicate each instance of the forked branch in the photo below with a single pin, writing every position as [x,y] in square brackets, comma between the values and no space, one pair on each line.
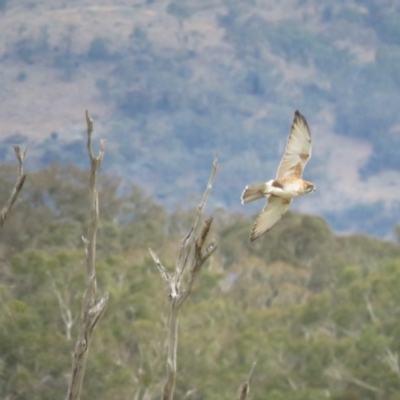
[93,306]
[193,253]
[17,187]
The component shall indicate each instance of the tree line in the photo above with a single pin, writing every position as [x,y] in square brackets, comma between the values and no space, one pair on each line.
[301,314]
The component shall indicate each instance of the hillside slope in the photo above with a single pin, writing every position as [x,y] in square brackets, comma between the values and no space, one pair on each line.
[171,83]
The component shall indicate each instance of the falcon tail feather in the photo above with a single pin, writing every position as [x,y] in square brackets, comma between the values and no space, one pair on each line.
[253,192]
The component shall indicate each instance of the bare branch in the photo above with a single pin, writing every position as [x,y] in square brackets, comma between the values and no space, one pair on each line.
[200,257]
[92,306]
[98,309]
[17,187]
[244,388]
[191,258]
[163,271]
[391,359]
[189,394]
[65,311]
[340,373]
[188,240]
[365,385]
[172,345]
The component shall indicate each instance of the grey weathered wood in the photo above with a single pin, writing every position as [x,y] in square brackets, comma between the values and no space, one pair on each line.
[93,305]
[192,255]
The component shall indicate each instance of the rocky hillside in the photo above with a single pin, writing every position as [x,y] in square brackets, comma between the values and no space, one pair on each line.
[171,83]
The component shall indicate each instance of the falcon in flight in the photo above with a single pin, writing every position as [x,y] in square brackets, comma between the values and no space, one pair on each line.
[288,182]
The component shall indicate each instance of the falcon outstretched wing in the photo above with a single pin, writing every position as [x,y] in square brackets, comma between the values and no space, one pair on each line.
[298,149]
[269,216]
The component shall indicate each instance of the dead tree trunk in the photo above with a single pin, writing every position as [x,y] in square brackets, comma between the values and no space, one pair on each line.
[93,306]
[193,254]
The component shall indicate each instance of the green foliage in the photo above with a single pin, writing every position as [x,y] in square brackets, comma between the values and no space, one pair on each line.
[318,312]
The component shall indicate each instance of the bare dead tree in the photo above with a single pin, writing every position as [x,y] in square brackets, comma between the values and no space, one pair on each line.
[93,306]
[244,388]
[192,255]
[17,187]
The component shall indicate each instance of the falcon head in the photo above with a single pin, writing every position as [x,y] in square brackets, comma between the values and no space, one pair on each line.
[310,187]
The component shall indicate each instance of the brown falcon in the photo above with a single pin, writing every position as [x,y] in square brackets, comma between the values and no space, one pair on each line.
[288,182]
